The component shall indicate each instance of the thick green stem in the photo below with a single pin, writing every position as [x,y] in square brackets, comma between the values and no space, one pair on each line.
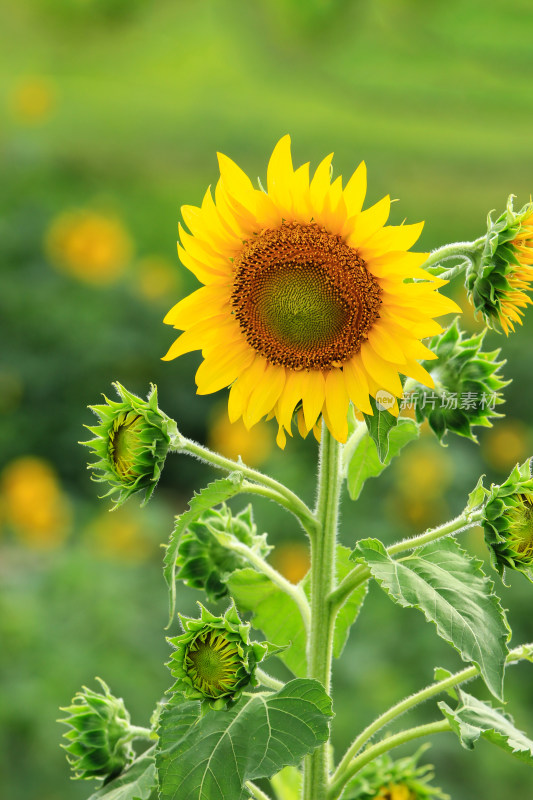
[457,250]
[256,792]
[136,732]
[337,785]
[268,680]
[320,640]
[262,484]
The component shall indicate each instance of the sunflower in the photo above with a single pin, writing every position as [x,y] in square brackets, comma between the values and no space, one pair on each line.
[309,302]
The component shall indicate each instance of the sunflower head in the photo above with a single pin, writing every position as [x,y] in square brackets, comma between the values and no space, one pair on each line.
[308,302]
[403,779]
[204,562]
[508,522]
[130,444]
[498,282]
[214,659]
[99,741]
[467,385]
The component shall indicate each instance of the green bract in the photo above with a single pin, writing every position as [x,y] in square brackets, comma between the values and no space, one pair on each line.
[99,739]
[467,384]
[214,658]
[131,444]
[204,562]
[385,779]
[500,274]
[508,522]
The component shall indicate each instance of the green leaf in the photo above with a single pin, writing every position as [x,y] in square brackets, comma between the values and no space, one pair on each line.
[379,426]
[275,613]
[350,610]
[211,757]
[137,782]
[452,591]
[365,462]
[215,493]
[474,719]
[278,616]
[477,495]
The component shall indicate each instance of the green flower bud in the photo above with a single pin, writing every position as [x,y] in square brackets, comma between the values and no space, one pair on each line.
[204,562]
[385,779]
[499,278]
[467,385]
[508,522]
[99,736]
[214,658]
[131,444]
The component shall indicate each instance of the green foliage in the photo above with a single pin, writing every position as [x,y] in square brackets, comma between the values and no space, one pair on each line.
[278,616]
[379,427]
[473,719]
[366,463]
[215,493]
[449,587]
[212,756]
[137,782]
[204,562]
[467,385]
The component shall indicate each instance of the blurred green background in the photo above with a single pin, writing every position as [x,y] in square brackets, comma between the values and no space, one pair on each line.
[113,111]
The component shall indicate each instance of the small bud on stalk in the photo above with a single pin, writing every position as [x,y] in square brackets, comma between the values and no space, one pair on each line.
[204,562]
[214,658]
[100,736]
[497,282]
[508,522]
[131,444]
[385,779]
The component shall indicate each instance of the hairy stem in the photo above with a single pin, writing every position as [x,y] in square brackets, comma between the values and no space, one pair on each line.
[338,784]
[255,791]
[522,652]
[267,680]
[295,592]
[266,486]
[457,250]
[320,640]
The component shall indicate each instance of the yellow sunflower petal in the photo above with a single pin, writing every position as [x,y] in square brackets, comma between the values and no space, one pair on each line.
[209,301]
[385,375]
[320,185]
[357,386]
[392,237]
[301,200]
[355,190]
[196,337]
[235,179]
[337,402]
[205,274]
[414,370]
[368,222]
[279,174]
[293,391]
[243,387]
[222,367]
[265,395]
[314,397]
[384,344]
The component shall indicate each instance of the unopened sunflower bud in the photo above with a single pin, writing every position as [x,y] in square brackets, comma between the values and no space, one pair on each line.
[385,779]
[214,659]
[498,281]
[467,385]
[508,522]
[99,736]
[204,562]
[131,444]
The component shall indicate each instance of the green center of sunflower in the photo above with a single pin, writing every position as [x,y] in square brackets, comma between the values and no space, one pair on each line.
[124,442]
[522,529]
[213,664]
[303,298]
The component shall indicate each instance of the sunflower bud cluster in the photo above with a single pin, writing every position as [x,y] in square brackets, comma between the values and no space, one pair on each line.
[498,279]
[99,736]
[214,659]
[462,371]
[508,522]
[204,562]
[385,779]
[130,445]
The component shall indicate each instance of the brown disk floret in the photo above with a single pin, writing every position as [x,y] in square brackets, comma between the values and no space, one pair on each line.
[304,299]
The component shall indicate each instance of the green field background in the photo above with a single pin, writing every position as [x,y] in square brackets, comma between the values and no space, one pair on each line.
[117,107]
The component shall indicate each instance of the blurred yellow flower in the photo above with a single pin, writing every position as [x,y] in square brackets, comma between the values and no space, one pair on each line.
[395,791]
[233,439]
[32,100]
[33,503]
[156,278]
[91,246]
[120,536]
[425,470]
[506,444]
[292,560]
